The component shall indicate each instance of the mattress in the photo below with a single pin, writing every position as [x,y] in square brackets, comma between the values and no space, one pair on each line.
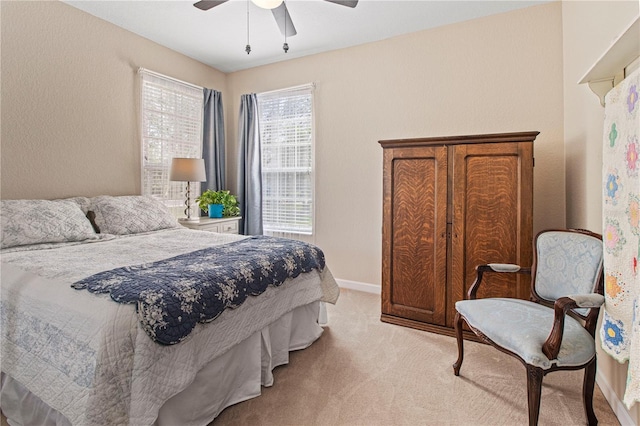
[87,358]
[237,375]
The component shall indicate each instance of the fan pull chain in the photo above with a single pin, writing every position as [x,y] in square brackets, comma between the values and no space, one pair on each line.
[285,46]
[248,47]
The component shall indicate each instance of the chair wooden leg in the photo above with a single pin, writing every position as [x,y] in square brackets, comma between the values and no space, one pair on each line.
[587,392]
[458,329]
[534,389]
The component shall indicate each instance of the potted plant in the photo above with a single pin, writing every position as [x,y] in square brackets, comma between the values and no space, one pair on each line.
[218,203]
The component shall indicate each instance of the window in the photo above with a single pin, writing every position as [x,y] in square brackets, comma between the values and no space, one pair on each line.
[287,136]
[171,125]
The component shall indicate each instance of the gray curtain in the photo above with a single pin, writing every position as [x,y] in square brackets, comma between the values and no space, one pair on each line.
[213,141]
[249,167]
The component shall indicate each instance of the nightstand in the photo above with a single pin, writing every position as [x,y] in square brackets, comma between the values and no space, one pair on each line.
[223,225]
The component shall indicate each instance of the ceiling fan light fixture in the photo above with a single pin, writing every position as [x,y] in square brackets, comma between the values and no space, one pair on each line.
[267,4]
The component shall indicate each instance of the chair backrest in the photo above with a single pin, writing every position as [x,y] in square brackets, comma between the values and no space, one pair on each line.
[567,262]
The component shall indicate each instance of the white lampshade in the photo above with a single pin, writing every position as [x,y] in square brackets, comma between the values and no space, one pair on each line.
[187,170]
[267,4]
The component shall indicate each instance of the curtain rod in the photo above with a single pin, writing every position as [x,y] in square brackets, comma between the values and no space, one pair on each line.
[157,74]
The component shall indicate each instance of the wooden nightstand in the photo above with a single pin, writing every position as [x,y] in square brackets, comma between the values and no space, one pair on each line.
[224,225]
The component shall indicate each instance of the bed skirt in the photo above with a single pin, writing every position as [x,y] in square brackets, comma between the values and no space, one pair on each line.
[237,374]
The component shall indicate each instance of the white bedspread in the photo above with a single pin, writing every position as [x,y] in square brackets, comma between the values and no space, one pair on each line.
[87,357]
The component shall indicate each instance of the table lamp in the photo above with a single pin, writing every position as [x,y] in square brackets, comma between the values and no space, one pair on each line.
[188,170]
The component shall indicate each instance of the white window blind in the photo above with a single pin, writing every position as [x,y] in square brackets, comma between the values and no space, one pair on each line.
[287,145]
[171,126]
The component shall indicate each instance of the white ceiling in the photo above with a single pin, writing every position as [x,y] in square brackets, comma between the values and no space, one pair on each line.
[217,37]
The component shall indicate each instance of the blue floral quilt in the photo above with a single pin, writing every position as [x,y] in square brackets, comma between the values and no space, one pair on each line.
[173,295]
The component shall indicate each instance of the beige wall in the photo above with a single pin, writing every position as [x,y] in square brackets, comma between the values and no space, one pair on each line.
[69,99]
[497,74]
[589,28]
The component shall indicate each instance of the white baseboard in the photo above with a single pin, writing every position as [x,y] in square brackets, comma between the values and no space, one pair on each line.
[355,285]
[617,406]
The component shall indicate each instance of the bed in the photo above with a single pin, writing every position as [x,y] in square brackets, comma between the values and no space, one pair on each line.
[75,351]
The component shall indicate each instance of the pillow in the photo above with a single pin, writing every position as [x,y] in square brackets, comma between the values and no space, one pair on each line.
[85,205]
[131,214]
[83,202]
[27,222]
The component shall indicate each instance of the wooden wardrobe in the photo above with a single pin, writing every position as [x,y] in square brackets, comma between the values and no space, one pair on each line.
[450,204]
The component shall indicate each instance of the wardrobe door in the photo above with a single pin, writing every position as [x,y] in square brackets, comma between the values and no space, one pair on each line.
[492,202]
[414,233]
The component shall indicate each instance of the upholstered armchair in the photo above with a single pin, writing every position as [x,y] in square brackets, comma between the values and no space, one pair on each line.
[555,329]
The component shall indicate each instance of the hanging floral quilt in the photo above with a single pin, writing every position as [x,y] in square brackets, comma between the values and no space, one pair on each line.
[620,331]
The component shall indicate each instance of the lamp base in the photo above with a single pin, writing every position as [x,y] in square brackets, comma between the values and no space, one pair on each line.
[189,219]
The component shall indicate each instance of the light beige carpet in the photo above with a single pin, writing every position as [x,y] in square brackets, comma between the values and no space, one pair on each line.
[365,372]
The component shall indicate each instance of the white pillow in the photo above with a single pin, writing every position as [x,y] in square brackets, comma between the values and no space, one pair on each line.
[131,214]
[27,222]
[83,202]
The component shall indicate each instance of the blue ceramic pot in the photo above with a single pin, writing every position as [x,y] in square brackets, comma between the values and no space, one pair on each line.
[215,210]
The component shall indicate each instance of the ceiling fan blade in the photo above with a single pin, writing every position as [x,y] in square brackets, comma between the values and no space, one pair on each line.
[348,3]
[283,19]
[208,4]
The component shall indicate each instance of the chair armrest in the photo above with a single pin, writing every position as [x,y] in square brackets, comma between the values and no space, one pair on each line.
[504,267]
[551,346]
[493,267]
[593,300]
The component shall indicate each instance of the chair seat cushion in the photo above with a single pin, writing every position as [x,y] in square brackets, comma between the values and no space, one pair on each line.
[522,327]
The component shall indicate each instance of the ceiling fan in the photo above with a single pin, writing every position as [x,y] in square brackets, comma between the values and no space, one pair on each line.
[278,8]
